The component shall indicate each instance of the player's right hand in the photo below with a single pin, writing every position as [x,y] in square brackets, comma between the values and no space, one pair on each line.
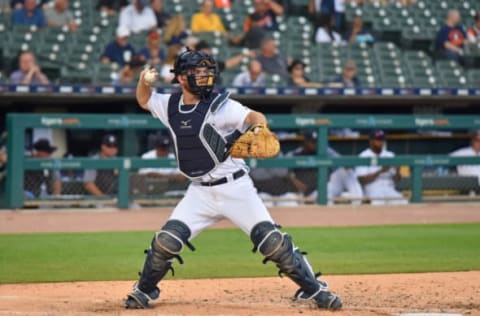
[151,71]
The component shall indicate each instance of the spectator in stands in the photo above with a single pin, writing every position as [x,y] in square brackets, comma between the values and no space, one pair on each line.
[160,14]
[137,17]
[325,32]
[473,33]
[103,182]
[451,37]
[231,62]
[28,73]
[256,24]
[379,182]
[272,62]
[342,181]
[358,34]
[298,77]
[119,51]
[471,151]
[40,183]
[153,54]
[348,78]
[111,7]
[131,71]
[206,20]
[175,32]
[165,74]
[162,149]
[332,10]
[59,15]
[30,14]
[252,77]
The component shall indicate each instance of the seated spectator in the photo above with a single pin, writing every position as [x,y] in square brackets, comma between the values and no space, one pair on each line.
[131,71]
[325,32]
[473,33]
[451,37]
[257,23]
[111,7]
[40,183]
[165,74]
[348,78]
[59,15]
[272,62]
[28,73]
[379,182]
[231,62]
[297,77]
[103,181]
[29,14]
[341,182]
[162,149]
[160,14]
[175,32]
[358,34]
[153,54]
[471,151]
[137,17]
[119,51]
[206,20]
[252,77]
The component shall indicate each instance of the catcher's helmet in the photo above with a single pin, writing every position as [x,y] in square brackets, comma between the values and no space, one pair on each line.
[186,64]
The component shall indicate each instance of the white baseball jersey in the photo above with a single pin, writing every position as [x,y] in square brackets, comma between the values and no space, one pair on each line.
[383,186]
[467,170]
[237,199]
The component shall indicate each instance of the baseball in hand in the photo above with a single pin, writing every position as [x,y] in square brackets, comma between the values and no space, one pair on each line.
[150,76]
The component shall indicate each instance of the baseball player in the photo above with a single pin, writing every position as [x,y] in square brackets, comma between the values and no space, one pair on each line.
[203,124]
[379,182]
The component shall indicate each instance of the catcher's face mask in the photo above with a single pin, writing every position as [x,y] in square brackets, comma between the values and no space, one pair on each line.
[199,69]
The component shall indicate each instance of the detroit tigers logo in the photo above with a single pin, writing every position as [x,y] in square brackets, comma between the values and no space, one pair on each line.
[185,124]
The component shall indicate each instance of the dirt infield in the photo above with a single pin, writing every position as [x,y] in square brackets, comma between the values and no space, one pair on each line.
[363,295]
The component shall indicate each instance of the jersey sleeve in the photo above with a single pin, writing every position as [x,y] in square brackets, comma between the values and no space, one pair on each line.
[232,116]
[158,106]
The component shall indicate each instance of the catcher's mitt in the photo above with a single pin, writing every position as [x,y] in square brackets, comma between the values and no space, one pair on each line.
[257,142]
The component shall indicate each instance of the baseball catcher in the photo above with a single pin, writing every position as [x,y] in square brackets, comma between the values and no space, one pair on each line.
[211,135]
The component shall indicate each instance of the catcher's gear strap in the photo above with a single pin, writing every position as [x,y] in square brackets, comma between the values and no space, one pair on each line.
[278,247]
[219,101]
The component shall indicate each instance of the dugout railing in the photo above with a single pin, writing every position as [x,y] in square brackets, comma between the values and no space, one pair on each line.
[17,124]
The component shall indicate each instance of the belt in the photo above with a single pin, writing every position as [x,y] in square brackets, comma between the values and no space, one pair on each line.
[236,175]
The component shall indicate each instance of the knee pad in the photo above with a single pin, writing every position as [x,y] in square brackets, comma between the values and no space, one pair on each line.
[171,238]
[266,238]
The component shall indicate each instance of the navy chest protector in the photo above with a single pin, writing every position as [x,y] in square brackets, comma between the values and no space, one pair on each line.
[199,146]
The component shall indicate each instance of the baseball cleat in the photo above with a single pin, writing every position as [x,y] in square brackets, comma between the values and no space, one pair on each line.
[139,299]
[323,297]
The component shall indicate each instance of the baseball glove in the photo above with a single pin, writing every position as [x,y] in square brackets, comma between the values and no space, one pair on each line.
[257,142]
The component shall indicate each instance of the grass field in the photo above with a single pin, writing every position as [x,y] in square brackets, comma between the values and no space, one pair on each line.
[227,253]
